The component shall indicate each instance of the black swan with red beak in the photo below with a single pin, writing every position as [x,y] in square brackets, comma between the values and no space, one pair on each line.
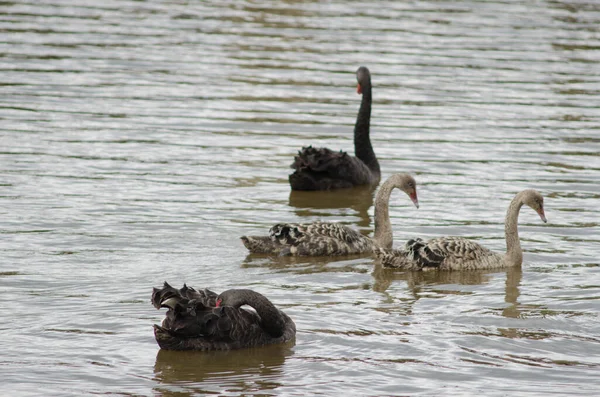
[325,169]
[203,320]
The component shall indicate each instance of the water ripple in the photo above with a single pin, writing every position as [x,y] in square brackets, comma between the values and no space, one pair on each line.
[141,139]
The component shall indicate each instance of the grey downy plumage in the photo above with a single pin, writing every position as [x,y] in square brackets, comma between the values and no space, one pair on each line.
[328,239]
[457,253]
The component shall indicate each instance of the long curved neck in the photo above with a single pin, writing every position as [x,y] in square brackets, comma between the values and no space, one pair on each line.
[514,253]
[384,236]
[362,142]
[272,320]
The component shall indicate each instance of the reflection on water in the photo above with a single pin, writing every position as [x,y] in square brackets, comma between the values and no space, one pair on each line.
[428,284]
[359,199]
[139,140]
[307,264]
[384,277]
[238,371]
[513,282]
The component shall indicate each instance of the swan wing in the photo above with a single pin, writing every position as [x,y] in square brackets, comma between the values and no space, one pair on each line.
[438,250]
[295,233]
[323,169]
[168,296]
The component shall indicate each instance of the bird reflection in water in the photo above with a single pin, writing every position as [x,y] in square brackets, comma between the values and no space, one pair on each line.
[310,264]
[419,282]
[241,371]
[513,282]
[384,277]
[359,199]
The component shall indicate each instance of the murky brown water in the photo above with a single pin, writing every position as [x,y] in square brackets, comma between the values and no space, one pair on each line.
[140,139]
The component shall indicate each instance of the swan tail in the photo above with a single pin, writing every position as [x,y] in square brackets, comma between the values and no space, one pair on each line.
[168,340]
[261,245]
[164,338]
[282,239]
[397,259]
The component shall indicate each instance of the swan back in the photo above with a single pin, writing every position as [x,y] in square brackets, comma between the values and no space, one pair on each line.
[443,253]
[319,239]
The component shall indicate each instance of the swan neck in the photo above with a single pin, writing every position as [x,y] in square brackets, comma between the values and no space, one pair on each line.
[383,227]
[514,253]
[272,320]
[362,141]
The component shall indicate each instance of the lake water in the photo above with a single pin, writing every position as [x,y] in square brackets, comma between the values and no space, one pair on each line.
[140,139]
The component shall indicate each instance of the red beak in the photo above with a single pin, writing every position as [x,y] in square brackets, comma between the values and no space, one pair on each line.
[542,215]
[415,200]
[218,303]
[358,89]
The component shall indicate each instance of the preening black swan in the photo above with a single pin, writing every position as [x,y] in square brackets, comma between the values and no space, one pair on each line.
[320,238]
[203,320]
[324,169]
[457,253]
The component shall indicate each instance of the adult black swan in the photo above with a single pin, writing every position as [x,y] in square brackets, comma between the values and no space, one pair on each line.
[203,320]
[324,169]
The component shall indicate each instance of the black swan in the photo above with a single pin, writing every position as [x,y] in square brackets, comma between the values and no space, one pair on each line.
[203,320]
[324,169]
[457,253]
[320,238]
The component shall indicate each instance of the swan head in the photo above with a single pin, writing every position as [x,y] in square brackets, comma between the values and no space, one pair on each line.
[232,297]
[363,76]
[534,199]
[407,184]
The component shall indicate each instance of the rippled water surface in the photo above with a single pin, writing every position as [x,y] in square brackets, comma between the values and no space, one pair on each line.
[140,139]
